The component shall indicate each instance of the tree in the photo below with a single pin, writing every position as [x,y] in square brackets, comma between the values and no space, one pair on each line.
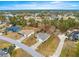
[18,21]
[22,22]
[13,20]
[11,48]
[32,21]
[46,24]
[64,25]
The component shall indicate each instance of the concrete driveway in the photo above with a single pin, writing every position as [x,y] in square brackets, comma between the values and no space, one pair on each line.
[62,38]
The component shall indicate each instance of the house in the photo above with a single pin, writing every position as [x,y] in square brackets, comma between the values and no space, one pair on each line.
[3,53]
[27,32]
[74,35]
[42,36]
[13,29]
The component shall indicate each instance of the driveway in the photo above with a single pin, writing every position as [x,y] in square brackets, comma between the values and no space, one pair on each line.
[26,34]
[36,45]
[24,47]
[41,37]
[62,38]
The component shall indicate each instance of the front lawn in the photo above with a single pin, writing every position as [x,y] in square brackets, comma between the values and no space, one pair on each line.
[20,53]
[13,35]
[30,41]
[48,47]
[69,49]
[4,44]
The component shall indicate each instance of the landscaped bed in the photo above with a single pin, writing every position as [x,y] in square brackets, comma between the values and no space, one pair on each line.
[48,47]
[69,49]
[13,35]
[20,53]
[30,41]
[4,44]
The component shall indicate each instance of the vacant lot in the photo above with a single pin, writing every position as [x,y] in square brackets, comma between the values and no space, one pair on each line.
[30,41]
[49,46]
[4,44]
[13,35]
[69,49]
[20,53]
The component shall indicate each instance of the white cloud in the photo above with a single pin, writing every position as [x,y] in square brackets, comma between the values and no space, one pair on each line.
[46,5]
[74,5]
[56,2]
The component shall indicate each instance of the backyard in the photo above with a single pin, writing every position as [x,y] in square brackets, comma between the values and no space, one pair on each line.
[48,47]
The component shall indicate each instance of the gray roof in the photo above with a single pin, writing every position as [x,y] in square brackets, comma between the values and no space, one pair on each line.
[75,35]
[3,54]
[42,36]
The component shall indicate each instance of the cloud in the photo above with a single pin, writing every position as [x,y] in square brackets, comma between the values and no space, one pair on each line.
[74,5]
[56,2]
[41,5]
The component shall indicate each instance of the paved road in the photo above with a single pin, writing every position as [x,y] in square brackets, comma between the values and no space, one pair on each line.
[24,47]
[62,38]
[22,38]
[25,36]
[36,45]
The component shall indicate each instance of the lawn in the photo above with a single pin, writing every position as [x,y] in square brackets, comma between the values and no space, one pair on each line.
[13,35]
[69,49]
[48,47]
[20,53]
[29,28]
[30,41]
[4,44]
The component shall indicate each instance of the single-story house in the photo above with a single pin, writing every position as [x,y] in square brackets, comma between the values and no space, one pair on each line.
[74,35]
[2,22]
[3,53]
[27,32]
[13,29]
[42,36]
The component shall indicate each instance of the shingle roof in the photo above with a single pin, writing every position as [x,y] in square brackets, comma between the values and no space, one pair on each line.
[75,35]
[3,54]
[42,36]
[13,29]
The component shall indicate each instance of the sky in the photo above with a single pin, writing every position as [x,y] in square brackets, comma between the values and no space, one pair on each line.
[33,5]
